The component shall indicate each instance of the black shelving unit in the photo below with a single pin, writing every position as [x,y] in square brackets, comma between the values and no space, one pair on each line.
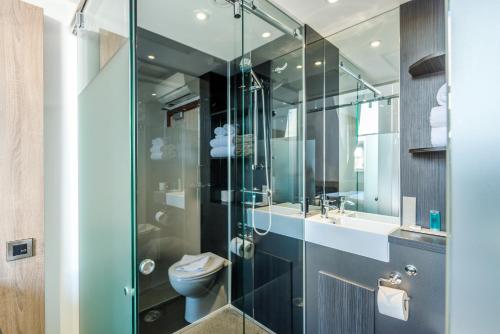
[432,64]
[423,150]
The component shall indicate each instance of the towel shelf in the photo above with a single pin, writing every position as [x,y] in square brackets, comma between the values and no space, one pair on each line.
[421,150]
[431,64]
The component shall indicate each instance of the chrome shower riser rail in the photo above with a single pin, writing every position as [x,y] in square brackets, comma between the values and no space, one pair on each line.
[249,5]
[359,79]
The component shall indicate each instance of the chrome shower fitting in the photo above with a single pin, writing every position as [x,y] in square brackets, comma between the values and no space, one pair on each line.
[237,9]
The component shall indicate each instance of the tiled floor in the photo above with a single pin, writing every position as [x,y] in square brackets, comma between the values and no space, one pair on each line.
[225,321]
[170,320]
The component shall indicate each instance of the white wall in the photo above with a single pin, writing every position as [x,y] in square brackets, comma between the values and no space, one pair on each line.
[473,254]
[61,183]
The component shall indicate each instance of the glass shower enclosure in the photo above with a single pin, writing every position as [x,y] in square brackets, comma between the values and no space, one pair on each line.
[191,144]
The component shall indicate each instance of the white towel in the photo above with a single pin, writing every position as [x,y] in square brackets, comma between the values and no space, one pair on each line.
[438,117]
[230,129]
[157,156]
[197,264]
[221,152]
[439,136]
[442,95]
[158,141]
[220,131]
[221,141]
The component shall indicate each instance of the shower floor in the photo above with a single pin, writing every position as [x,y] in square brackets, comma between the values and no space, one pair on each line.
[224,321]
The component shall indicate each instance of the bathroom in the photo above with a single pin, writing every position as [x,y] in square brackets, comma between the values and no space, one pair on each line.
[249,166]
[271,164]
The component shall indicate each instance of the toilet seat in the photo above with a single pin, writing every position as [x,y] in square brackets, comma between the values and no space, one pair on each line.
[214,264]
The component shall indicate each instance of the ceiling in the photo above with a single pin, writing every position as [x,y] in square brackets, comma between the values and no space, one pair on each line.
[376,64]
[329,19]
[219,35]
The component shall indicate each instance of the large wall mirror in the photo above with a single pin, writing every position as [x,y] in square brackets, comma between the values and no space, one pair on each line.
[357,156]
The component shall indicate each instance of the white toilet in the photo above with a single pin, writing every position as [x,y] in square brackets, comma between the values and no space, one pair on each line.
[196,278]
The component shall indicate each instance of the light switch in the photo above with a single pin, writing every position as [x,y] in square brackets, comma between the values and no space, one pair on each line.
[19,249]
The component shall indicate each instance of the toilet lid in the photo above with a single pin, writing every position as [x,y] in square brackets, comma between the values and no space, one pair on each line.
[213,264]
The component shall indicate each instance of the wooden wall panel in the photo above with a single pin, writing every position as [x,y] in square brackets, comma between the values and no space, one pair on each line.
[109,44]
[21,165]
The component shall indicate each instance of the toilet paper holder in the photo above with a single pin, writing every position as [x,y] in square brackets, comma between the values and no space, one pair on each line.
[395,278]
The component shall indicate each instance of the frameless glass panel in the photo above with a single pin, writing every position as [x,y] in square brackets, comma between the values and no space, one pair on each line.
[269,166]
[185,52]
[105,170]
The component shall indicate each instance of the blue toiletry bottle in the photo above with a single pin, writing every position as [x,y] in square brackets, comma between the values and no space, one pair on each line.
[435,220]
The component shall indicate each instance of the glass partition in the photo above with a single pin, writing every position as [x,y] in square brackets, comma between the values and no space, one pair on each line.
[106,220]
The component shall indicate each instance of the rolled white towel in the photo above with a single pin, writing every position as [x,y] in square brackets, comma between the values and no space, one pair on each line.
[158,141]
[221,141]
[221,152]
[442,95]
[157,156]
[439,136]
[230,129]
[438,117]
[220,131]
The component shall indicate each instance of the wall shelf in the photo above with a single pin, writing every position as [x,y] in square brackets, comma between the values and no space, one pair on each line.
[421,150]
[431,64]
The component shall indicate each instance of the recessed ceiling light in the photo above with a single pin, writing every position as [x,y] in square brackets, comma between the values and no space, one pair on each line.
[299,67]
[375,44]
[332,1]
[318,63]
[152,57]
[154,94]
[266,34]
[201,15]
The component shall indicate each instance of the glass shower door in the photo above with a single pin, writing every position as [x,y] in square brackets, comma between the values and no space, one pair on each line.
[268,122]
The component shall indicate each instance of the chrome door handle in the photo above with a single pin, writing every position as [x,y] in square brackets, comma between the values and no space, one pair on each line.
[128,291]
[147,266]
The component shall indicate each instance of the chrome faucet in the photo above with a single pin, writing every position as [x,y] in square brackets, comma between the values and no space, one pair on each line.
[343,202]
[325,206]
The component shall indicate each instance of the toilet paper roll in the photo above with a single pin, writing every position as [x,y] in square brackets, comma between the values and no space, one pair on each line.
[393,302]
[160,217]
[242,248]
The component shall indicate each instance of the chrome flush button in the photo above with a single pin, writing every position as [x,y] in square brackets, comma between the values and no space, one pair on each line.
[411,270]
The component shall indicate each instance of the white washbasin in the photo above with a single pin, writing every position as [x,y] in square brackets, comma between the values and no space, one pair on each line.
[287,221]
[357,233]
[175,198]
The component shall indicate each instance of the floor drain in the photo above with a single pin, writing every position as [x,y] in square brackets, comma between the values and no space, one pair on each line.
[152,316]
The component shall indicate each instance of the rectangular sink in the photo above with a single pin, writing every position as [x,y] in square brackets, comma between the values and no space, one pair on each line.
[175,198]
[357,233]
[287,221]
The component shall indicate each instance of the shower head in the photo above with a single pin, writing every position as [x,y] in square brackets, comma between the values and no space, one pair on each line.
[279,69]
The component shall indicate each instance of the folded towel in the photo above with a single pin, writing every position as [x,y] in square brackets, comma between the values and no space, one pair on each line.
[220,131]
[230,129]
[439,136]
[157,156]
[221,141]
[197,264]
[221,152]
[442,95]
[438,117]
[158,141]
